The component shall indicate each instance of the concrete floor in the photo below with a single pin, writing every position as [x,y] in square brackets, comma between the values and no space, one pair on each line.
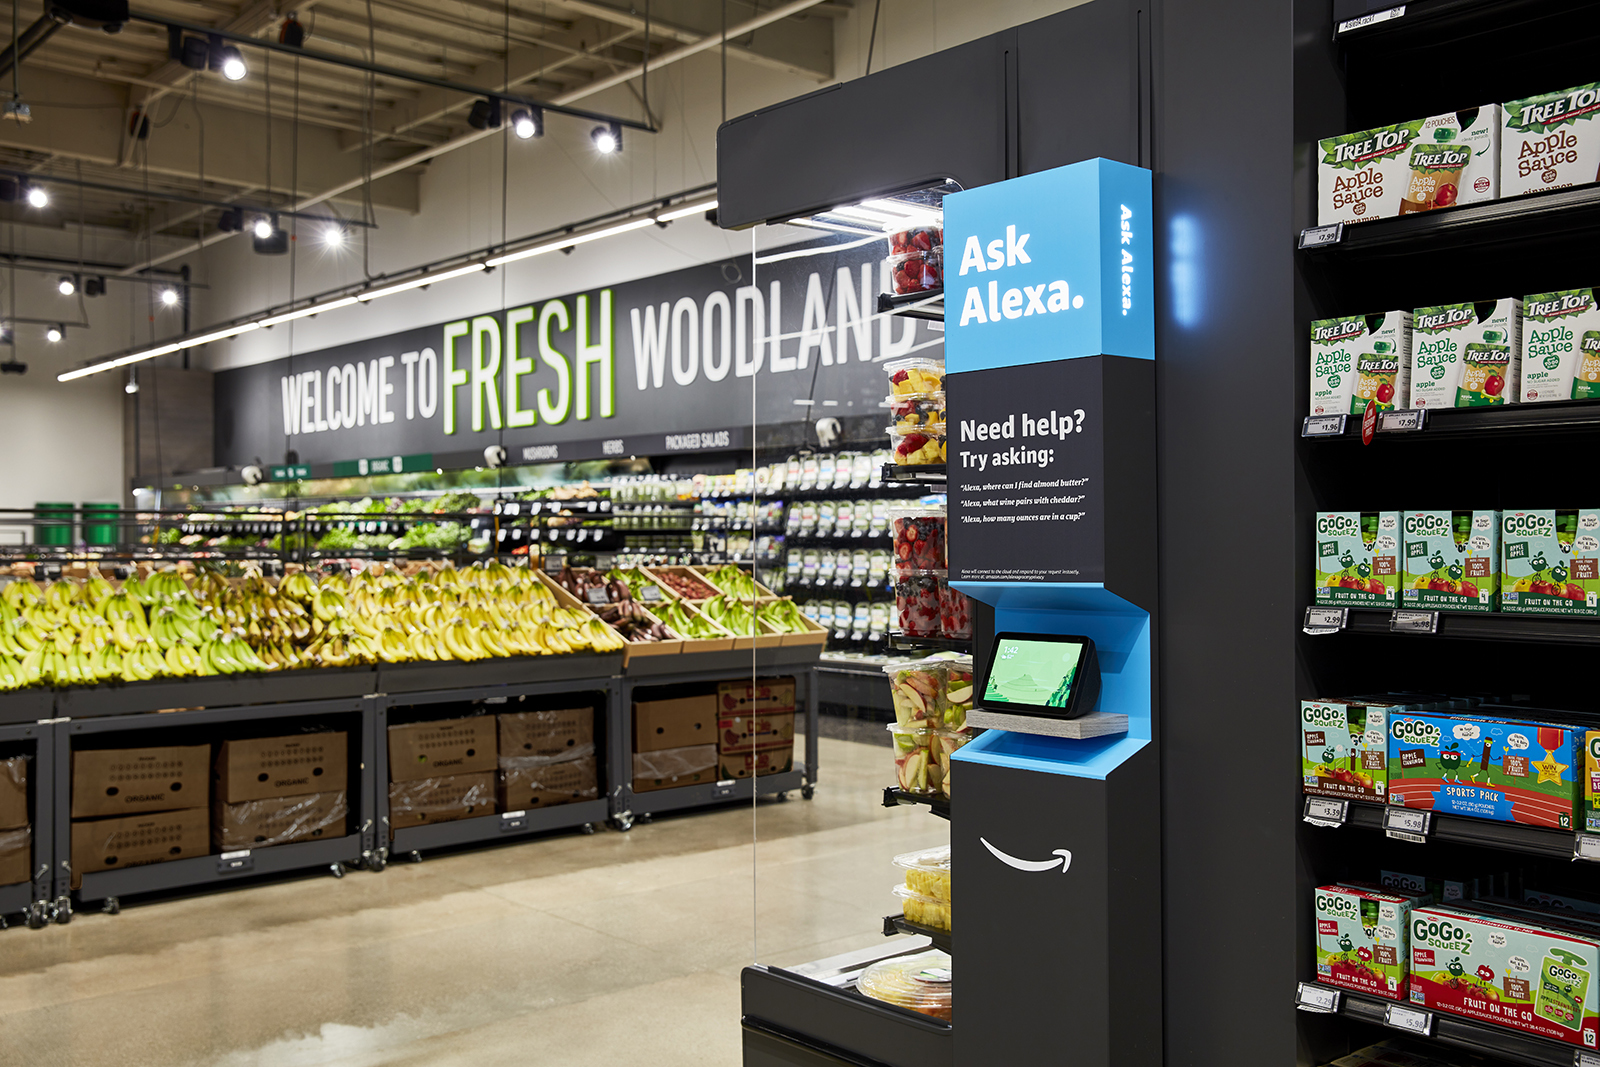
[558,952]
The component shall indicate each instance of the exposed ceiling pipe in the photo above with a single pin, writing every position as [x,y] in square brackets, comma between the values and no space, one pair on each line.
[29,39]
[794,7]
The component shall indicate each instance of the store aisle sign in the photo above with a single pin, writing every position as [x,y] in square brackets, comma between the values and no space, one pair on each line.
[1049,266]
[680,354]
[362,468]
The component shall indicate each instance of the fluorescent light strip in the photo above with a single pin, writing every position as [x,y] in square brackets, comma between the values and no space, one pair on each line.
[314,309]
[573,240]
[417,283]
[877,218]
[818,224]
[685,210]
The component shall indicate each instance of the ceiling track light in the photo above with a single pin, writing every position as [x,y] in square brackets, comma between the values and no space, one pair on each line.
[37,197]
[335,236]
[231,220]
[607,139]
[528,123]
[94,286]
[230,62]
[67,285]
[268,238]
[54,334]
[133,382]
[485,114]
[169,296]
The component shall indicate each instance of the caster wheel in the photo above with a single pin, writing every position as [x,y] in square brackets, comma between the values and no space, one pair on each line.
[782,797]
[807,792]
[623,822]
[63,910]
[111,906]
[38,915]
[416,857]
[376,862]
[644,819]
[588,828]
[337,869]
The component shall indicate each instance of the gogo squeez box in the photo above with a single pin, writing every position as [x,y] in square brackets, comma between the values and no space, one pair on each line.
[1466,355]
[1497,769]
[1560,346]
[1413,166]
[1344,744]
[1361,939]
[1452,560]
[1358,558]
[1523,970]
[1551,141]
[1550,562]
[1360,358]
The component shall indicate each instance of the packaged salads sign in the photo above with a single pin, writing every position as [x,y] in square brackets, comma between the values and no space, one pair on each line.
[662,364]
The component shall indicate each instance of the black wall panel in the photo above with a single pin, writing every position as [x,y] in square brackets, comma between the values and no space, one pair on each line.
[1079,77]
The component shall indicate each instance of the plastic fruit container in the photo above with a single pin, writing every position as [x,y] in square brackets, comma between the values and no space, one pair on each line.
[945,744]
[923,910]
[916,239]
[918,691]
[917,272]
[927,872]
[919,532]
[958,691]
[913,758]
[955,611]
[918,447]
[916,599]
[920,982]
[914,410]
[915,375]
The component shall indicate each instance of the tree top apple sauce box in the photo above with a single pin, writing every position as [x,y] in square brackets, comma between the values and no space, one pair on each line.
[1465,355]
[1356,359]
[1358,558]
[1560,346]
[1550,562]
[1551,141]
[1412,166]
[1451,560]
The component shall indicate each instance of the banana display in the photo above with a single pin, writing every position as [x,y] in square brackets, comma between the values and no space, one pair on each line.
[85,633]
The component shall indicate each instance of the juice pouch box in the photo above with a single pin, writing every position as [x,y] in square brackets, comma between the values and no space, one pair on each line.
[1361,939]
[1550,141]
[1465,355]
[1452,560]
[1487,768]
[1344,746]
[1550,562]
[1357,358]
[1358,558]
[1507,968]
[1560,346]
[1591,781]
[1412,166]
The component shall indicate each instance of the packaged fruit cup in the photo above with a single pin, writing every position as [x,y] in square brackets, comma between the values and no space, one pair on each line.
[914,410]
[918,691]
[958,691]
[924,910]
[916,239]
[955,611]
[916,599]
[913,759]
[917,272]
[919,531]
[945,744]
[927,871]
[920,982]
[915,374]
[919,447]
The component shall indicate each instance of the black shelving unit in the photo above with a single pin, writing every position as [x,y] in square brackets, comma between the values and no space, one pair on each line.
[902,641]
[936,803]
[1486,626]
[32,898]
[929,474]
[1456,829]
[899,924]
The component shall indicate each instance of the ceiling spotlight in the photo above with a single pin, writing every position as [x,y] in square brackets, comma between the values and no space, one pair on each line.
[169,296]
[53,334]
[133,382]
[262,228]
[66,286]
[193,52]
[526,124]
[485,114]
[228,60]
[270,239]
[5,333]
[334,236]
[37,197]
[94,286]
[230,221]
[12,366]
[607,139]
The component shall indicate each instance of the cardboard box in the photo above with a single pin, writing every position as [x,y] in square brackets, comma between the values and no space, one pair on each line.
[13,793]
[546,733]
[666,768]
[135,840]
[1560,346]
[444,799]
[1420,165]
[16,855]
[1466,355]
[747,733]
[1358,558]
[120,781]
[1550,141]
[1360,358]
[1591,781]
[1550,562]
[535,783]
[1362,937]
[442,748]
[677,723]
[267,768]
[1452,560]
[778,758]
[762,695]
[1485,767]
[1344,749]
[1513,970]
[278,821]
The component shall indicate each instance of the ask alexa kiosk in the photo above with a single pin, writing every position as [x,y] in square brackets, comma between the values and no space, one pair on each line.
[1049,363]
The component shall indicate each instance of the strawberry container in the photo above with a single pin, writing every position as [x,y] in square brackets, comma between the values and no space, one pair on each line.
[916,239]
[920,447]
[917,272]
[914,410]
[916,598]
[915,375]
[955,611]
[919,538]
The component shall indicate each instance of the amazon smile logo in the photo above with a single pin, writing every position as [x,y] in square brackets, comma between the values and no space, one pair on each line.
[1063,859]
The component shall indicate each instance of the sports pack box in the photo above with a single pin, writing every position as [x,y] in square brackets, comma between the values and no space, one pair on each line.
[1344,746]
[1500,769]
[1361,939]
[1452,560]
[1560,346]
[1551,141]
[1412,166]
[1356,359]
[1358,558]
[1466,355]
[1550,562]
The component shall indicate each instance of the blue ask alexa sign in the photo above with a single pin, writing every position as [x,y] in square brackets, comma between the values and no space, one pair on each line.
[1049,266]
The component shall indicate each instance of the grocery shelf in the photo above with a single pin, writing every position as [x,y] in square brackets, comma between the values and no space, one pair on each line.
[1457,829]
[26,705]
[1435,20]
[927,304]
[585,813]
[899,640]
[1488,626]
[899,924]
[894,797]
[1463,1033]
[34,896]
[514,670]
[222,690]
[657,801]
[1564,416]
[15,899]
[201,871]
[914,474]
[795,1018]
